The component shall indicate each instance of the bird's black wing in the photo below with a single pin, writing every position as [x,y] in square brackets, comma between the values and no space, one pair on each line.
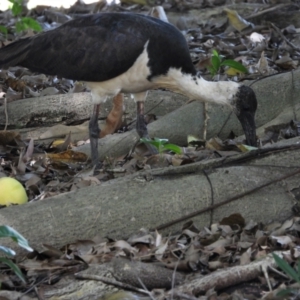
[100,47]
[92,48]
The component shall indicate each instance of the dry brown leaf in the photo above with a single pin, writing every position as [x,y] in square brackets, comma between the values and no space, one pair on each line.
[143,236]
[215,144]
[15,84]
[8,137]
[286,62]
[121,244]
[39,79]
[262,65]
[21,168]
[33,180]
[158,239]
[236,21]
[49,91]
[68,156]
[233,219]
[283,228]
[245,258]
[161,249]
[81,246]
[215,265]
[282,240]
[29,152]
[159,160]
[65,144]
[219,244]
[81,184]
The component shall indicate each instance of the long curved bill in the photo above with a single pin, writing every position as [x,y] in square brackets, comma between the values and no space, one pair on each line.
[247,120]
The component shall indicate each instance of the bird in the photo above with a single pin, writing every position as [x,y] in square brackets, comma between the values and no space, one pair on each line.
[126,53]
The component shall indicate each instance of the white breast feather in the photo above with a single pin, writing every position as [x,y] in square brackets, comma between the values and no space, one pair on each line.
[134,80]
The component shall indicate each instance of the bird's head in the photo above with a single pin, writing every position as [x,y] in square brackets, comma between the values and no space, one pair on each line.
[244,106]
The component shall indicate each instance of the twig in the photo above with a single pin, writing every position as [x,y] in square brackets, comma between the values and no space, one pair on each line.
[265,272]
[217,163]
[112,282]
[279,6]
[145,288]
[38,294]
[212,195]
[283,37]
[174,275]
[227,276]
[278,272]
[34,286]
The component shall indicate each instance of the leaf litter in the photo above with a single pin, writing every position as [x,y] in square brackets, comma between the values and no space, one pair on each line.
[173,262]
[47,170]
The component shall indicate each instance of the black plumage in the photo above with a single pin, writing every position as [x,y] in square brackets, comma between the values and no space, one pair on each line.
[100,47]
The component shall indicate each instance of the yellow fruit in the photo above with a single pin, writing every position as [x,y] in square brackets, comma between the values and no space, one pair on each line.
[12,192]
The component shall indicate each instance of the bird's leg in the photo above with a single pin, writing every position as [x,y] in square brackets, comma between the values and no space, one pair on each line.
[94,132]
[141,126]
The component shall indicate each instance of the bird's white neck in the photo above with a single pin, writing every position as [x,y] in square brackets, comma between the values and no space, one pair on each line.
[197,88]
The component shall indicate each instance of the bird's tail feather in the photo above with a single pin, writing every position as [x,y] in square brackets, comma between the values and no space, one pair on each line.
[14,53]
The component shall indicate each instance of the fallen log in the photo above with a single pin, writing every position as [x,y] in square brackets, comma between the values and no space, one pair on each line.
[148,199]
[277,96]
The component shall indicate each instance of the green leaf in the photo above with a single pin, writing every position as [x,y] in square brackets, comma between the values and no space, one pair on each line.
[212,71]
[234,64]
[157,142]
[152,142]
[7,251]
[3,29]
[31,23]
[174,148]
[215,53]
[161,141]
[16,2]
[216,62]
[7,231]
[26,22]
[145,140]
[16,9]
[285,267]
[20,26]
[162,145]
[14,267]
